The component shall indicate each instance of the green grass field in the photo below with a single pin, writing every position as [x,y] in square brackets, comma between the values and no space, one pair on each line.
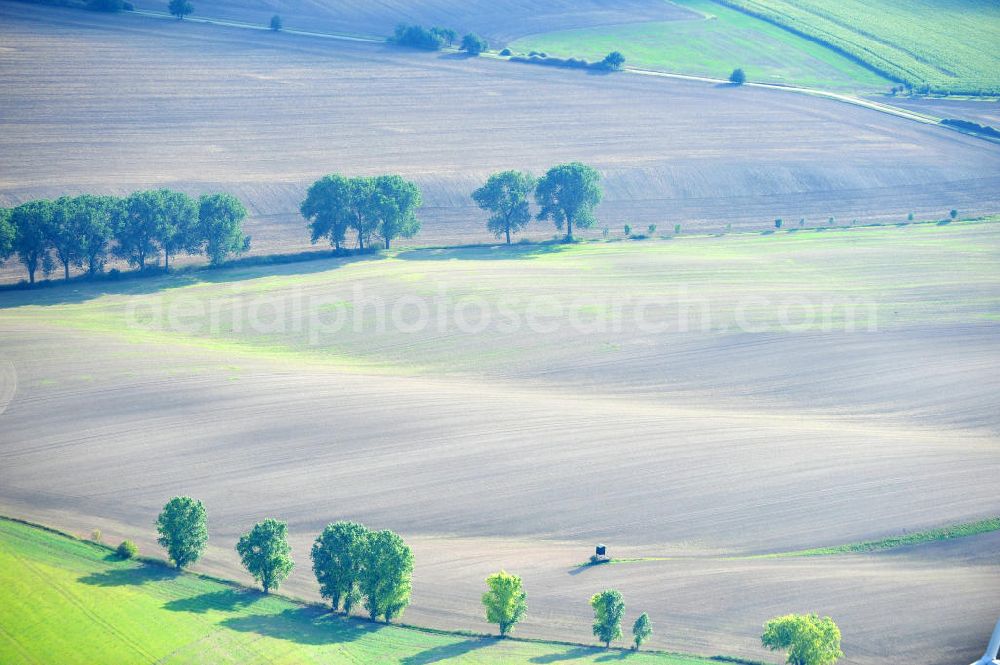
[948,46]
[69,601]
[714,46]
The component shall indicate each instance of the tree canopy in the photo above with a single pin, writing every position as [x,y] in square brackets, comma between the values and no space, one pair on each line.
[32,222]
[641,630]
[265,553]
[338,558]
[504,600]
[220,227]
[568,194]
[180,8]
[505,195]
[385,578]
[6,234]
[809,639]
[176,222]
[394,204]
[614,61]
[608,611]
[183,530]
[473,44]
[738,77]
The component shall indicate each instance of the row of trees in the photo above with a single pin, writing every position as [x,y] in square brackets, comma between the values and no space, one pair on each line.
[83,231]
[567,194]
[382,207]
[353,564]
[436,38]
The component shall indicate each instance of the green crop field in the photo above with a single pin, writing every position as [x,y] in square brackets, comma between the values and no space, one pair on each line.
[69,601]
[713,46]
[936,45]
[945,46]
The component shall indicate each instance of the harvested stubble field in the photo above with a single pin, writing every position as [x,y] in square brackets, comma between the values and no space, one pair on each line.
[116,103]
[765,431]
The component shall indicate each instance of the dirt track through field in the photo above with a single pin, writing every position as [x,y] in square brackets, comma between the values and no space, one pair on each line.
[115,103]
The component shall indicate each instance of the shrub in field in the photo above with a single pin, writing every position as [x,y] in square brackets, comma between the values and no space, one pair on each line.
[568,194]
[808,639]
[338,556]
[180,8]
[127,550]
[802,222]
[473,44]
[505,52]
[909,217]
[777,223]
[974,127]
[628,230]
[641,630]
[953,213]
[183,530]
[265,553]
[677,229]
[504,600]
[651,229]
[505,196]
[608,610]
[276,24]
[738,77]
[605,231]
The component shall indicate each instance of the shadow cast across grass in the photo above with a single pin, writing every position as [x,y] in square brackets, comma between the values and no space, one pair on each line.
[448,651]
[571,654]
[81,288]
[131,576]
[303,625]
[484,252]
[226,600]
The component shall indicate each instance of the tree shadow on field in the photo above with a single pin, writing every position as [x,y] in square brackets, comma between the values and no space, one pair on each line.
[483,252]
[226,600]
[619,654]
[461,55]
[572,654]
[448,651]
[303,625]
[80,289]
[129,576]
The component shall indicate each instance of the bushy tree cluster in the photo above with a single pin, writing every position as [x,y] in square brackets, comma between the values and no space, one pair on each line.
[807,638]
[567,194]
[473,44]
[85,230]
[382,207]
[352,563]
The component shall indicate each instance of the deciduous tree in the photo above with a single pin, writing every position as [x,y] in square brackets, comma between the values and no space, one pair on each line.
[505,195]
[809,639]
[568,194]
[62,233]
[180,8]
[473,44]
[31,222]
[608,611]
[6,234]
[176,224]
[331,207]
[505,601]
[183,530]
[641,630]
[265,553]
[385,578]
[395,203]
[137,228]
[94,223]
[220,226]
[338,558]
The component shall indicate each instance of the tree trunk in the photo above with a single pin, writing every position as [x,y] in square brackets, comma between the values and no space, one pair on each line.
[31,275]
[361,241]
[569,228]
[66,270]
[508,235]
[387,243]
[166,260]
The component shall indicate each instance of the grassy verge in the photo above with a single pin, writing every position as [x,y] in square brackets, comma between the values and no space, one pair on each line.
[917,538]
[64,600]
[962,530]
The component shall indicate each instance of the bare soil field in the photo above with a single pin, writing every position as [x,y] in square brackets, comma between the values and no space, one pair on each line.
[500,21]
[766,430]
[979,111]
[115,103]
